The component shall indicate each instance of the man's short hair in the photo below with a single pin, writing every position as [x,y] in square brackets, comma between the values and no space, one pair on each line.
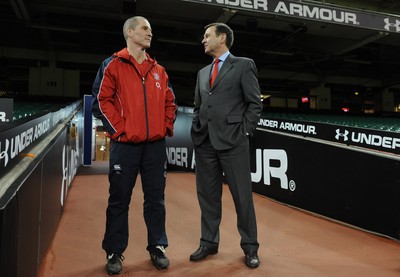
[222,28]
[131,23]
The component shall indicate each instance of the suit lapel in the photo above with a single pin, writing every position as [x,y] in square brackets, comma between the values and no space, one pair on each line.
[227,65]
[205,75]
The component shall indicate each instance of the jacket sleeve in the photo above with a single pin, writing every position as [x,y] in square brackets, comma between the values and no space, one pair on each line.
[105,100]
[252,95]
[197,103]
[170,110]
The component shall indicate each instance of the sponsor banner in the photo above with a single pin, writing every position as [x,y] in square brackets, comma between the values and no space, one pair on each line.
[16,142]
[304,10]
[6,110]
[350,186]
[367,138]
[37,199]
[180,151]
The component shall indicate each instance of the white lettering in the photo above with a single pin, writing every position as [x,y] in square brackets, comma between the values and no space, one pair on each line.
[247,4]
[316,13]
[3,117]
[264,166]
[375,140]
[256,177]
[396,143]
[312,13]
[281,7]
[325,14]
[193,160]
[296,9]
[177,156]
[64,169]
[297,127]
[20,142]
[4,152]
[268,123]
[41,128]
[351,18]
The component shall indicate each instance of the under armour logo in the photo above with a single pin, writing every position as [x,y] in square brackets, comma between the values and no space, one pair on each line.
[343,135]
[392,25]
[4,152]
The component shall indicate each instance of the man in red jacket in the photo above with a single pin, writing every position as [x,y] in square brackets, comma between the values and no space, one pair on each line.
[133,98]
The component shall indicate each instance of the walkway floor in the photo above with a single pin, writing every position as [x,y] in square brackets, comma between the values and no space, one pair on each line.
[292,243]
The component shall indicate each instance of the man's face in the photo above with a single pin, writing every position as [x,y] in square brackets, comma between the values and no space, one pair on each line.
[212,43]
[141,35]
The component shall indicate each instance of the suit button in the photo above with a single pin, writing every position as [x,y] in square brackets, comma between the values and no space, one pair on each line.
[209,119]
[209,106]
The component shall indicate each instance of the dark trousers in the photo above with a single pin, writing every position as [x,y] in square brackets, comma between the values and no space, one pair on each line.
[126,161]
[235,164]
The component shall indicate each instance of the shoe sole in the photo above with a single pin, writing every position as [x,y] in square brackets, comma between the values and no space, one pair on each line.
[114,273]
[159,267]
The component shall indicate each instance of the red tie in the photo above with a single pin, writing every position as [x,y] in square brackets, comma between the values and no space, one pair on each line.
[214,72]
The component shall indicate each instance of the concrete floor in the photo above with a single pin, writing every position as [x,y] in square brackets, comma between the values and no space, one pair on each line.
[292,242]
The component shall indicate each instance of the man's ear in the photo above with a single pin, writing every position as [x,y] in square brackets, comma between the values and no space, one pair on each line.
[223,38]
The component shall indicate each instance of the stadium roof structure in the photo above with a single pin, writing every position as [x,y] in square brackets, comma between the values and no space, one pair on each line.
[296,45]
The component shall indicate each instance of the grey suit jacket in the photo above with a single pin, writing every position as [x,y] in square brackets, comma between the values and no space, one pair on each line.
[229,109]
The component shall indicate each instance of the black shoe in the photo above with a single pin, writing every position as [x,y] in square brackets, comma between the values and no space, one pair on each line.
[203,252]
[114,263]
[251,259]
[158,257]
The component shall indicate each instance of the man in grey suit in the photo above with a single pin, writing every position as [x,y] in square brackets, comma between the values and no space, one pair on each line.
[226,113]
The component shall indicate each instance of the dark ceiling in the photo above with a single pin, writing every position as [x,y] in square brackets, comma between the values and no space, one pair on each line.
[292,54]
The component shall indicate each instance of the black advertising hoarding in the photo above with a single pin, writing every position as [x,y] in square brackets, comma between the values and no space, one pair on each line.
[31,207]
[6,110]
[355,187]
[180,152]
[311,11]
[367,138]
[16,142]
[313,173]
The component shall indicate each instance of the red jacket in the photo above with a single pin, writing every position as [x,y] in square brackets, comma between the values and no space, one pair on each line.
[132,107]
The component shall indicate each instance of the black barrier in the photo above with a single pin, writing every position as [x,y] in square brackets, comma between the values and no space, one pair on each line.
[180,152]
[304,165]
[16,142]
[359,188]
[367,138]
[8,239]
[31,207]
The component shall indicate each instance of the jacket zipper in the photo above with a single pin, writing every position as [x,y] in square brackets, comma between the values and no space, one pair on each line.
[145,98]
[145,107]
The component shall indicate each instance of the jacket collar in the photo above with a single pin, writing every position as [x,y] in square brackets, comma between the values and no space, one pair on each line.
[124,54]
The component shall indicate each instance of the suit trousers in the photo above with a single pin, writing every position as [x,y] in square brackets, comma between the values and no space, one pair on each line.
[126,161]
[211,164]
